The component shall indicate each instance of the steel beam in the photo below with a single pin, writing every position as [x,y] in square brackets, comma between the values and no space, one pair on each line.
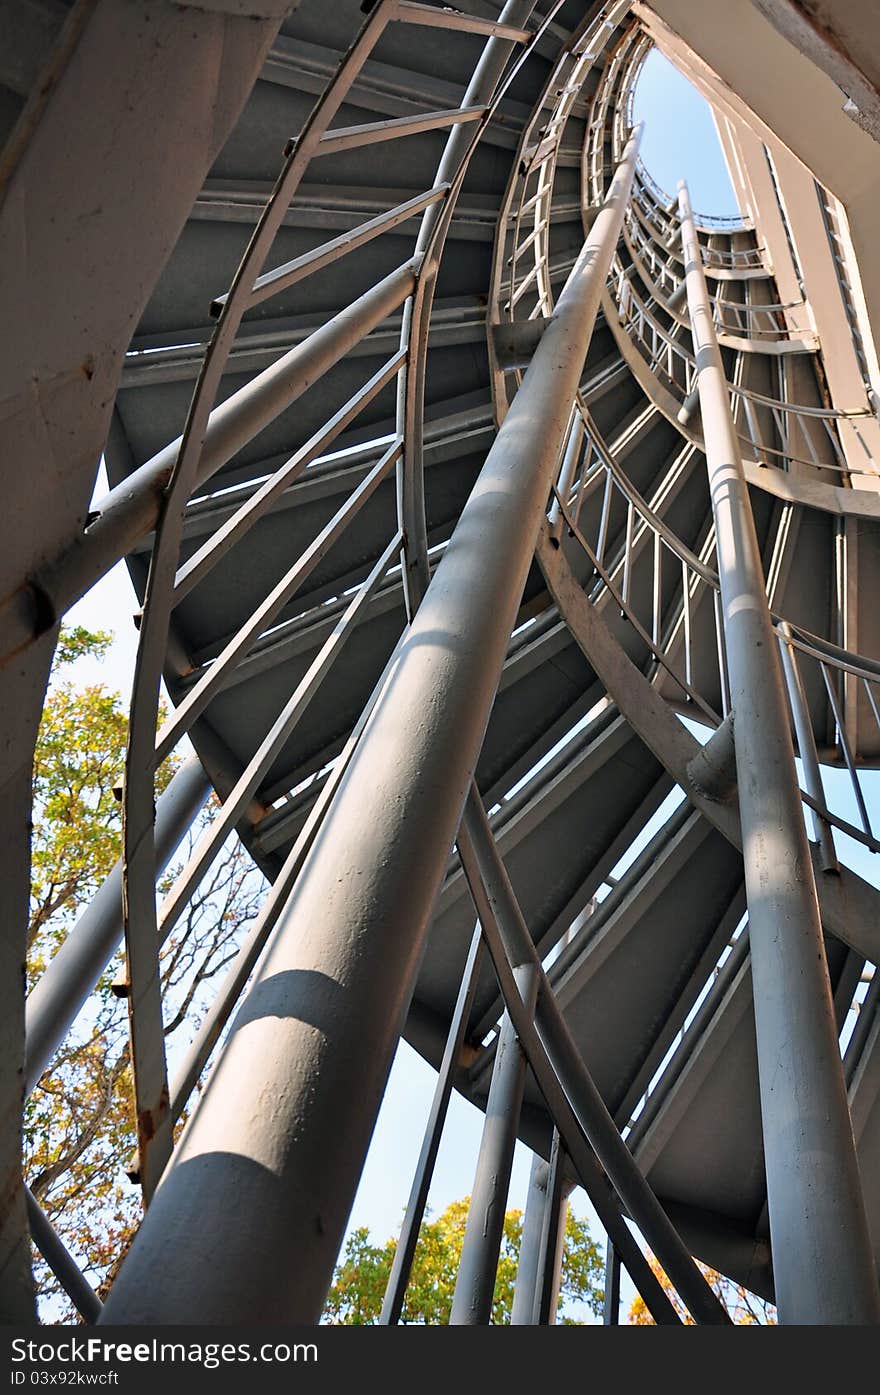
[482,862]
[822,1257]
[252,1190]
[611,1314]
[61,1261]
[484,1231]
[395,1292]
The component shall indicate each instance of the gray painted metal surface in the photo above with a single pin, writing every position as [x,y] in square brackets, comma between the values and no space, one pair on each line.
[396,811]
[817,1212]
[278,588]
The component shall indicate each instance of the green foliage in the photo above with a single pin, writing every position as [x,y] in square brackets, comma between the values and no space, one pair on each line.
[361,1276]
[77,827]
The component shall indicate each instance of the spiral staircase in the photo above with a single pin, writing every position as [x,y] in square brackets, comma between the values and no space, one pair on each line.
[415,185]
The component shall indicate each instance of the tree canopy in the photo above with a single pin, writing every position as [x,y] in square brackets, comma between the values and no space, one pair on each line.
[361,1276]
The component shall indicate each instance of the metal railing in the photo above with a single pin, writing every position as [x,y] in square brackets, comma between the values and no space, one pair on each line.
[797,429]
[704,222]
[526,210]
[159,496]
[641,568]
[665,226]
[662,274]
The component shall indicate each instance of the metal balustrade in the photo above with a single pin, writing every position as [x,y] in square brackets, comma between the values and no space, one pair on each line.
[653,588]
[753,324]
[158,497]
[673,363]
[627,537]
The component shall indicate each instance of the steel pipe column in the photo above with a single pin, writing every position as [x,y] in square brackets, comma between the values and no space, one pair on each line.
[401,1267]
[611,1314]
[484,867]
[552,1239]
[822,1260]
[475,1284]
[248,1219]
[530,1257]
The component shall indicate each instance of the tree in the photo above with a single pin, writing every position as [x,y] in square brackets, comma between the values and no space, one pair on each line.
[746,1309]
[78,1121]
[361,1276]
[78,762]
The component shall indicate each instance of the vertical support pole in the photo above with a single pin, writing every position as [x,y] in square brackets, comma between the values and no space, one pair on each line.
[800,712]
[539,1270]
[475,1284]
[822,1258]
[611,1315]
[395,1289]
[552,1238]
[583,1157]
[529,1263]
[485,869]
[251,1191]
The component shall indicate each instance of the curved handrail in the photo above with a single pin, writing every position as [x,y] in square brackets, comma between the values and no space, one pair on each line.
[663,352]
[835,667]
[748,319]
[705,222]
[524,210]
[742,259]
[166,585]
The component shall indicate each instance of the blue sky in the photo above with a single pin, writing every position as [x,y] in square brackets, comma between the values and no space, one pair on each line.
[679,141]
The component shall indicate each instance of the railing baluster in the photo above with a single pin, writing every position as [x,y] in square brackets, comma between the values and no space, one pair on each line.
[627,553]
[797,701]
[213,678]
[845,747]
[686,604]
[603,520]
[657,599]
